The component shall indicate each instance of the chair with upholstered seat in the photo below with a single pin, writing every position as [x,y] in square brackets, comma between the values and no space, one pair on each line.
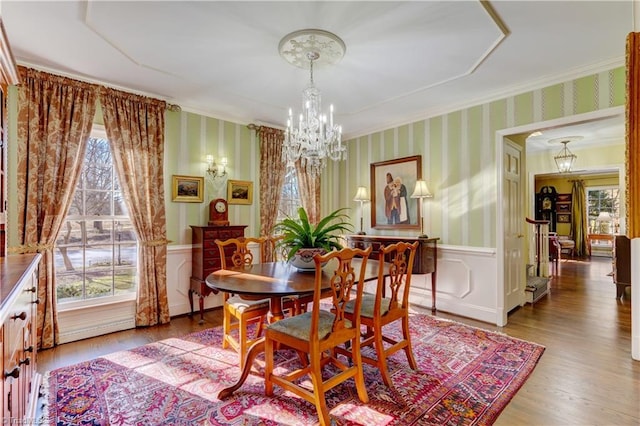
[245,312]
[317,333]
[388,304]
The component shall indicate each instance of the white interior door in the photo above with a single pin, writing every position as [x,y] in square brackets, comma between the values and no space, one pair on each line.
[514,265]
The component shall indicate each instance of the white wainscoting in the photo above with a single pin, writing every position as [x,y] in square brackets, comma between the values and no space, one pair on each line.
[466,286]
[466,283]
[97,320]
[178,275]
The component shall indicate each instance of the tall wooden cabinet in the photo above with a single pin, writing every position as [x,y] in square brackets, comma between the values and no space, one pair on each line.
[18,338]
[205,258]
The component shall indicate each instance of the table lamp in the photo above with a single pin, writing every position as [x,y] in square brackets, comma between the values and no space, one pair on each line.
[604,222]
[421,191]
[362,196]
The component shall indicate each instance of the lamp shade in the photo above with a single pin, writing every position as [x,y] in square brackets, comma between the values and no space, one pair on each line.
[421,190]
[362,194]
[604,217]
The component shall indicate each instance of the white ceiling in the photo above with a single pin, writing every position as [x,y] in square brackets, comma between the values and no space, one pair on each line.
[404,61]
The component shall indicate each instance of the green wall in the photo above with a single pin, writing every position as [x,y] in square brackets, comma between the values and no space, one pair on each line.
[458,152]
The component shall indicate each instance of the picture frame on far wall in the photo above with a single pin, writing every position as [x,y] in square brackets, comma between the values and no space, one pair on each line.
[239,192]
[392,183]
[187,189]
[563,217]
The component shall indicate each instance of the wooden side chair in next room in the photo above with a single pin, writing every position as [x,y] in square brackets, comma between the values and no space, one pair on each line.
[238,313]
[389,303]
[319,332]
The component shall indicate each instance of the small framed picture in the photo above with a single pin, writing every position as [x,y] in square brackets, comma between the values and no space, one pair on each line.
[563,217]
[239,191]
[187,189]
[563,198]
[563,207]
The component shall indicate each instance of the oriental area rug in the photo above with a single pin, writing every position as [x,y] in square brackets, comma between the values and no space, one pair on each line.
[466,376]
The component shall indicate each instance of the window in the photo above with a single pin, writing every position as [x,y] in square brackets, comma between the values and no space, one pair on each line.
[96,251]
[290,196]
[603,200]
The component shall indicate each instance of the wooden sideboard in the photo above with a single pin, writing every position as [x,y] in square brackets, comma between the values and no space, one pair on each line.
[205,258]
[18,338]
[426,260]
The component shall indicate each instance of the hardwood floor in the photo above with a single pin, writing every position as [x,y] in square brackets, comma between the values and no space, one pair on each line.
[585,377]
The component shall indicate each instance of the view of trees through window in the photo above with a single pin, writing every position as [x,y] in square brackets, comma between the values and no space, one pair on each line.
[603,200]
[96,251]
[290,197]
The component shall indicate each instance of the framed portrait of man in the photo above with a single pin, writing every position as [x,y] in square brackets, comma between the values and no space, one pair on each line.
[392,183]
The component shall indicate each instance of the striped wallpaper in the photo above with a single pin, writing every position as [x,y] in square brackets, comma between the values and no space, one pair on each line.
[458,152]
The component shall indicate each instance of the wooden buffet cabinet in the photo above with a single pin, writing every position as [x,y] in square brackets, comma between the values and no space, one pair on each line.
[205,258]
[18,338]
[426,260]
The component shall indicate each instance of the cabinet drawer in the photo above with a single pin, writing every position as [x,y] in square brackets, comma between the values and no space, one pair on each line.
[213,264]
[222,234]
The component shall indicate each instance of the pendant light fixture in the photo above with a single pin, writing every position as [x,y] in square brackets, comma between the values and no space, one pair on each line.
[312,137]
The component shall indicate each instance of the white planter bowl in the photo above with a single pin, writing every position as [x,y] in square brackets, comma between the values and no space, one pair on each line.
[303,259]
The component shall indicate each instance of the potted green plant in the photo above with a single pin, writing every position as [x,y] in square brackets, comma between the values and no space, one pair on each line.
[302,240]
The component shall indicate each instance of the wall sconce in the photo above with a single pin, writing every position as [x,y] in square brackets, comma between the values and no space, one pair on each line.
[422,192]
[362,196]
[214,169]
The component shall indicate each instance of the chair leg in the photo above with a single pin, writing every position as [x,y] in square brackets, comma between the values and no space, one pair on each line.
[315,372]
[226,327]
[408,350]
[260,326]
[268,367]
[382,358]
[242,341]
[359,378]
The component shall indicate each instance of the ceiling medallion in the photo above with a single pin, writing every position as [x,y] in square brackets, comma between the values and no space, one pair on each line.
[296,46]
[313,138]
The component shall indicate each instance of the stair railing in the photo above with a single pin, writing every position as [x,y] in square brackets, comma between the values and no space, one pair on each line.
[539,246]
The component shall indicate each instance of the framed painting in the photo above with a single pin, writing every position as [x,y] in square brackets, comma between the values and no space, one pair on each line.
[563,198]
[563,218]
[392,182]
[239,192]
[187,189]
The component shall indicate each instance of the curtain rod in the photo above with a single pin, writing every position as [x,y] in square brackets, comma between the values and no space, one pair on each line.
[589,178]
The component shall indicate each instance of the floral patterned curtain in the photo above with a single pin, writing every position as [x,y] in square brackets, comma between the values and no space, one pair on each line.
[55,115]
[272,171]
[579,218]
[309,193]
[632,154]
[135,127]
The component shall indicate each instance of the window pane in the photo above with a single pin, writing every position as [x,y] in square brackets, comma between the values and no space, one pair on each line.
[98,203]
[119,207]
[96,251]
[603,200]
[99,232]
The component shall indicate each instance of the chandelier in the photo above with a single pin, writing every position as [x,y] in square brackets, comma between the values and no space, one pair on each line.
[565,158]
[312,137]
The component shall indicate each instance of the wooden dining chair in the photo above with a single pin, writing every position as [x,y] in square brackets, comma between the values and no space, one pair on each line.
[239,314]
[317,333]
[389,303]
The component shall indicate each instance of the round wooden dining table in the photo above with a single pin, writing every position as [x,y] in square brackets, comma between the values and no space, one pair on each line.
[273,281]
